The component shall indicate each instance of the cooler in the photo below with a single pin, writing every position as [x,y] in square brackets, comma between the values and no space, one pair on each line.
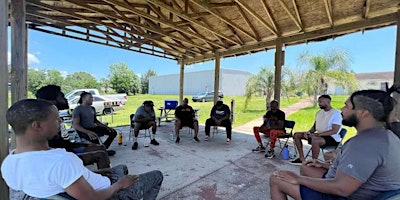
[170,104]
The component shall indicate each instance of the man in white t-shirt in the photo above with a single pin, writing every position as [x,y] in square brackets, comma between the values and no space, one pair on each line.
[42,172]
[324,132]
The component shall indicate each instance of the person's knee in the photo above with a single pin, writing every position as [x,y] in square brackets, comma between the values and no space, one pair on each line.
[298,135]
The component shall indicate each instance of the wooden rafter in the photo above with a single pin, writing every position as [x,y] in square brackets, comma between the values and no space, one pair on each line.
[211,10]
[267,10]
[128,20]
[256,16]
[328,8]
[297,12]
[366,8]
[98,22]
[188,18]
[286,8]
[248,21]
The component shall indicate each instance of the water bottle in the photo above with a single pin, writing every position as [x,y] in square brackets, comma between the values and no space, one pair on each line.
[119,138]
[172,136]
[285,153]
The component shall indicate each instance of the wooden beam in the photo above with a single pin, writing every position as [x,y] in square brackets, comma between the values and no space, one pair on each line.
[206,6]
[216,76]
[129,21]
[181,80]
[297,12]
[268,11]
[366,8]
[278,71]
[188,18]
[340,29]
[396,80]
[256,16]
[328,9]
[18,50]
[253,29]
[285,7]
[4,190]
[165,22]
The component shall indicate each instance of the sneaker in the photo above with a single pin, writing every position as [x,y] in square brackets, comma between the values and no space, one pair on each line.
[154,142]
[296,162]
[196,139]
[134,146]
[228,141]
[177,140]
[270,154]
[110,152]
[206,138]
[260,148]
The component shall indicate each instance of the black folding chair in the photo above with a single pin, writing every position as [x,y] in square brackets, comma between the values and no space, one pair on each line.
[289,125]
[342,133]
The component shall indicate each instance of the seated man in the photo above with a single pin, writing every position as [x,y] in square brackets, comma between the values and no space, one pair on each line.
[89,153]
[273,126]
[324,132]
[40,171]
[144,119]
[85,122]
[220,116]
[185,116]
[353,175]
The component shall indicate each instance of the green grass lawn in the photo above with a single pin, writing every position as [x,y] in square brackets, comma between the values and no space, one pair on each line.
[255,109]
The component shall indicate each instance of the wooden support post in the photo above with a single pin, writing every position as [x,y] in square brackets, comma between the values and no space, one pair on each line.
[181,81]
[19,70]
[278,71]
[4,190]
[216,77]
[396,80]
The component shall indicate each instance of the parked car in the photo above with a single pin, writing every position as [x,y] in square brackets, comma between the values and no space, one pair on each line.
[206,96]
[101,104]
[74,93]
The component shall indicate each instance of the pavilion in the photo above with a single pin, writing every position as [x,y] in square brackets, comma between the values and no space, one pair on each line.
[188,31]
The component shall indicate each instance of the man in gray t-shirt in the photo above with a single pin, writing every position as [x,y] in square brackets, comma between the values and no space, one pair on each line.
[367,165]
[145,118]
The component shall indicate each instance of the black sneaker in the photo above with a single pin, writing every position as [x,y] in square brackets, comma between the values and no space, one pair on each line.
[134,146]
[196,139]
[270,154]
[296,162]
[177,140]
[154,142]
[111,152]
[260,148]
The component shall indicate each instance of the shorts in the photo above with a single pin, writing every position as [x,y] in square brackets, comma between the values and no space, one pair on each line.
[329,141]
[308,193]
[189,124]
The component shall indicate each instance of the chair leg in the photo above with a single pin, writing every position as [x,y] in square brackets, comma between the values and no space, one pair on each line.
[215,131]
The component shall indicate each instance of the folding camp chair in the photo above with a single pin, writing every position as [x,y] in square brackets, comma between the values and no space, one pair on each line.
[342,133]
[289,125]
[132,127]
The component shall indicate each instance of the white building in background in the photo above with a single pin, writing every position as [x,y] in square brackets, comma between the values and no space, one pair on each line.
[375,80]
[231,82]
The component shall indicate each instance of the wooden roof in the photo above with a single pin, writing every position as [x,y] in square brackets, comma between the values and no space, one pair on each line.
[375,75]
[194,30]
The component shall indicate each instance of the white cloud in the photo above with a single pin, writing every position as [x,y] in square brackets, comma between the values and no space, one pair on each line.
[31,58]
[64,73]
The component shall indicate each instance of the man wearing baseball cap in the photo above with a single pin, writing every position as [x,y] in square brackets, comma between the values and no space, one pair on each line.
[144,119]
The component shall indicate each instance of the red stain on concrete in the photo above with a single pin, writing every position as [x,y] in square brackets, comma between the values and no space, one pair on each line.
[209,192]
[155,153]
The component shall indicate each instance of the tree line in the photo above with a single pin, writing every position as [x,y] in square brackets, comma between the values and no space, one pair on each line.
[121,79]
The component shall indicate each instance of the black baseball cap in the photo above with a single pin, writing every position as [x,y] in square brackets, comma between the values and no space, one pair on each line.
[148,103]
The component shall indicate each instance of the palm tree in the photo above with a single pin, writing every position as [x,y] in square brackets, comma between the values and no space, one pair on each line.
[263,83]
[324,69]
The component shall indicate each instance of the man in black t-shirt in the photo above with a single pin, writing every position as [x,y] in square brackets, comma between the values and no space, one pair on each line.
[220,116]
[273,126]
[186,116]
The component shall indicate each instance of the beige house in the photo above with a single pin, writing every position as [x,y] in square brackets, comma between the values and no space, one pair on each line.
[375,80]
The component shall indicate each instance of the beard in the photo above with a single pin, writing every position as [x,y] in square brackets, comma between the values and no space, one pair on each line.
[352,121]
[322,107]
[62,106]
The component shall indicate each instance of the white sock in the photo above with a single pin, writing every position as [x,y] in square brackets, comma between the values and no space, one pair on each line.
[153,136]
[134,139]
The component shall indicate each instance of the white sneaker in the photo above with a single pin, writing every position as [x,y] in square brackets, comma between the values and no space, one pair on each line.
[206,138]
[228,141]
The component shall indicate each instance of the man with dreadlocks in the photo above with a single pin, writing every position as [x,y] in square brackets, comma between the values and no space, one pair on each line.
[367,164]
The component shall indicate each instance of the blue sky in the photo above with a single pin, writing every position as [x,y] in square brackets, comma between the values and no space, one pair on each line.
[371,51]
